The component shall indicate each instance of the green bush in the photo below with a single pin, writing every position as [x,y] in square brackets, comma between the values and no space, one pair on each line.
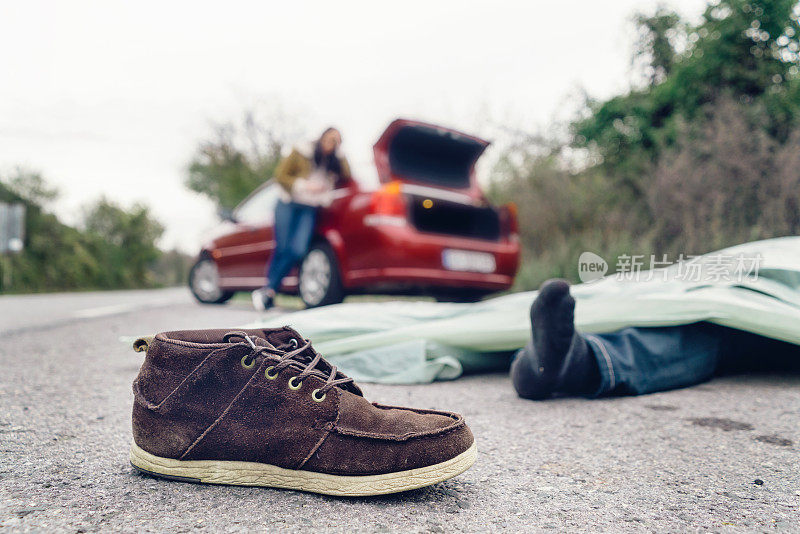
[704,154]
[115,249]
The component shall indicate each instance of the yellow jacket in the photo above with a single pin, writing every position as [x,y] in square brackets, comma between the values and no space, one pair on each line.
[299,164]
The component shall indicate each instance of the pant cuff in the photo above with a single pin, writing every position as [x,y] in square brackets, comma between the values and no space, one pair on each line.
[608,378]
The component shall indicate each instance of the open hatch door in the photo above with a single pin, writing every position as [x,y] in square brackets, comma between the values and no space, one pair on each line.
[411,151]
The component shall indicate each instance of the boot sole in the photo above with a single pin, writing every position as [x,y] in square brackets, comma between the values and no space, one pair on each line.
[257,474]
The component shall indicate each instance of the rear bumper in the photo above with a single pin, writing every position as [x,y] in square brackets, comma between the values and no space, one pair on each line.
[409,258]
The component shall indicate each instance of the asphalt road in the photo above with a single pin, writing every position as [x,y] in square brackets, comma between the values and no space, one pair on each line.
[719,457]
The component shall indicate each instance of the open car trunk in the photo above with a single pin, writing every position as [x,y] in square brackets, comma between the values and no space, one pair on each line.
[453,218]
[429,155]
[437,169]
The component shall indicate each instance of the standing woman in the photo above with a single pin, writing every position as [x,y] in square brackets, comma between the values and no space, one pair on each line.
[307,176]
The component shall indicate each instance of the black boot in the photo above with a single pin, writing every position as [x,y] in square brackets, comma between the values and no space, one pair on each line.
[557,359]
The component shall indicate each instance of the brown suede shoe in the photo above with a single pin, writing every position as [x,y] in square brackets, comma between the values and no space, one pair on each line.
[262,408]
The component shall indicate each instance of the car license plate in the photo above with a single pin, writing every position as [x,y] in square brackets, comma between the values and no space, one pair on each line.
[465,260]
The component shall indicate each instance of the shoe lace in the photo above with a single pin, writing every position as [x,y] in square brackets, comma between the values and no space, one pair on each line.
[297,357]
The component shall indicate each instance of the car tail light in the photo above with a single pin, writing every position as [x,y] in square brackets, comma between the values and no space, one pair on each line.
[508,220]
[387,206]
[388,200]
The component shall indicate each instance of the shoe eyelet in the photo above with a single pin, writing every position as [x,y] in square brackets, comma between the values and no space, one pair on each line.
[293,343]
[315,398]
[294,384]
[269,374]
[248,365]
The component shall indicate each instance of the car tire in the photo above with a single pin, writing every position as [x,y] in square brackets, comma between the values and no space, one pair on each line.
[204,282]
[319,280]
[459,295]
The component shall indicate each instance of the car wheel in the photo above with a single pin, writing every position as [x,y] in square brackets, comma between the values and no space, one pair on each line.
[204,283]
[319,280]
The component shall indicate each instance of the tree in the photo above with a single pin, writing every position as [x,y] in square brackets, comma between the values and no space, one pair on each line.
[124,239]
[32,187]
[745,50]
[239,158]
[725,183]
[702,153]
[116,247]
[655,48]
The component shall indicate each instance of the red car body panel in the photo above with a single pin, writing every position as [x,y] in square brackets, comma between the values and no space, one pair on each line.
[386,253]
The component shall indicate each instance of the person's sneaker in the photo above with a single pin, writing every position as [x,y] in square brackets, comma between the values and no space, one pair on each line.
[262,408]
[262,300]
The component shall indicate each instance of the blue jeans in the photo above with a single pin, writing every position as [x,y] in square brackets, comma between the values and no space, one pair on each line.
[634,361]
[294,227]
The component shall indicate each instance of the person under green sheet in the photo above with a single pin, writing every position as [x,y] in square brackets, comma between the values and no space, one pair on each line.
[560,360]
[660,329]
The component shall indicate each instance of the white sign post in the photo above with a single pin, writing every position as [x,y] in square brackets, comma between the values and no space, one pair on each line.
[12,236]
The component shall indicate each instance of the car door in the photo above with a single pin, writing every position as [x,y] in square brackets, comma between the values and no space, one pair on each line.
[243,254]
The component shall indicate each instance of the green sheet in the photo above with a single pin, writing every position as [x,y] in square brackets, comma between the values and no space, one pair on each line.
[416,342]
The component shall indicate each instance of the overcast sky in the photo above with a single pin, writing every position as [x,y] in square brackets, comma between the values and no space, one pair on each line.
[112,97]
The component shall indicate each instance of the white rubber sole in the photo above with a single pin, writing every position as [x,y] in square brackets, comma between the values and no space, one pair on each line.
[257,474]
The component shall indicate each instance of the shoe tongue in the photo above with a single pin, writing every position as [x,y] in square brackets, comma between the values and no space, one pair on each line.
[283,336]
[261,342]
[254,339]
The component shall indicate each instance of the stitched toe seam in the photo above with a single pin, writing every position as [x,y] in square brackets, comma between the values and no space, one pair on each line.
[398,437]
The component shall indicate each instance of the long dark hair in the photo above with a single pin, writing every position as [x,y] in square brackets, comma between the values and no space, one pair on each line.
[329,162]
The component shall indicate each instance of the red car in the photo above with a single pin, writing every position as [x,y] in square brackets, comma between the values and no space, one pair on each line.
[427,230]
